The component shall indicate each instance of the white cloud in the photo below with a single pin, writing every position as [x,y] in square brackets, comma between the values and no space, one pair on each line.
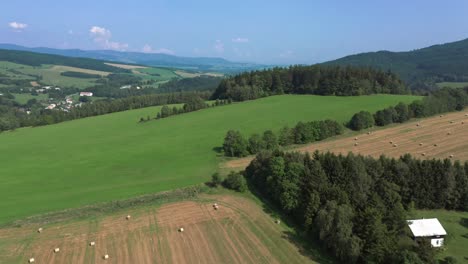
[148,49]
[16,26]
[287,54]
[102,36]
[219,46]
[240,40]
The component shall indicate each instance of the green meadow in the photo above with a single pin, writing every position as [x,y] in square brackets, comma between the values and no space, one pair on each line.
[456,226]
[110,157]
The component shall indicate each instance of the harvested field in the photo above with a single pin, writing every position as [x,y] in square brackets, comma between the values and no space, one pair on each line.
[435,137]
[125,66]
[239,232]
[34,84]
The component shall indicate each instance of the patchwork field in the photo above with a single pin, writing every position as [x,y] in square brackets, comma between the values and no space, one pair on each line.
[238,232]
[113,156]
[449,133]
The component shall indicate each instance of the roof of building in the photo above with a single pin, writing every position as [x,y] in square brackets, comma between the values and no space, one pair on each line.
[426,227]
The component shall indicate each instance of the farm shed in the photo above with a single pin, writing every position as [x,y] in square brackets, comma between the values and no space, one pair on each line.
[430,229]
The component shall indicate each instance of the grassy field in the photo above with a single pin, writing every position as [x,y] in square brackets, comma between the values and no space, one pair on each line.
[109,157]
[240,231]
[456,225]
[453,84]
[23,97]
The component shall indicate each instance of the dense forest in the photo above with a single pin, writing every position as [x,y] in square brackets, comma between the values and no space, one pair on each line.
[38,59]
[320,80]
[12,118]
[357,206]
[422,68]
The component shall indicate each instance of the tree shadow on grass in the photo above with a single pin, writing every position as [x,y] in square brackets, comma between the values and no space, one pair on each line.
[464,222]
[307,246]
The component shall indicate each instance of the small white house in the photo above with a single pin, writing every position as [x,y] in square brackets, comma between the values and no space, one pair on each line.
[86,94]
[430,229]
[51,106]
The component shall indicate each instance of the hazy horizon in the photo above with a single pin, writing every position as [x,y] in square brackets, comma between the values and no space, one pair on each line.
[269,32]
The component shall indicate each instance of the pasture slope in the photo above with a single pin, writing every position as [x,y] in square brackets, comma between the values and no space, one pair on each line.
[238,232]
[449,133]
[111,157]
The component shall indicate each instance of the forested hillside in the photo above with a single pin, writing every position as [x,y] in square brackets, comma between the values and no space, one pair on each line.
[320,80]
[420,68]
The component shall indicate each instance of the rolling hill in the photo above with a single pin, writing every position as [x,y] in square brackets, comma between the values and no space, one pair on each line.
[149,59]
[439,63]
[112,156]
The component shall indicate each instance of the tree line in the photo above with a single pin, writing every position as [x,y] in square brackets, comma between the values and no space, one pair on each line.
[192,104]
[236,145]
[357,206]
[316,79]
[440,101]
[11,117]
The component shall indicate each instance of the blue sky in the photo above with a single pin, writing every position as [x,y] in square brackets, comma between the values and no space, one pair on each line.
[280,32]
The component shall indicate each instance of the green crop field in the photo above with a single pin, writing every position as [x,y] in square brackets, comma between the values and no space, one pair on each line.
[108,157]
[24,97]
[456,225]
[157,74]
[453,84]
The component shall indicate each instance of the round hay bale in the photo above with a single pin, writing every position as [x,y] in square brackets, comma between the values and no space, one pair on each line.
[451,156]
[92,243]
[395,145]
[128,217]
[39,230]
[417,124]
[181,229]
[391,142]
[31,260]
[216,207]
[466,114]
[441,115]
[451,122]
[56,250]
[215,204]
[420,144]
[435,145]
[277,221]
[355,138]
[368,133]
[423,154]
[105,256]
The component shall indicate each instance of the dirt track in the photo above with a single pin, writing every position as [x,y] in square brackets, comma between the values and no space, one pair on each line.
[448,132]
[239,232]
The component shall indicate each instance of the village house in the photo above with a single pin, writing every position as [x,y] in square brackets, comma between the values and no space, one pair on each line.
[429,229]
[86,94]
[69,100]
[51,106]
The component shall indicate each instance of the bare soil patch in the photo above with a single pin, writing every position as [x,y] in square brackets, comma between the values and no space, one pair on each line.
[126,66]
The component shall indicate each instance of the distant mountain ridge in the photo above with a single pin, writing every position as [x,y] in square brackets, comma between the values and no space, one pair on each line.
[149,59]
[438,63]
